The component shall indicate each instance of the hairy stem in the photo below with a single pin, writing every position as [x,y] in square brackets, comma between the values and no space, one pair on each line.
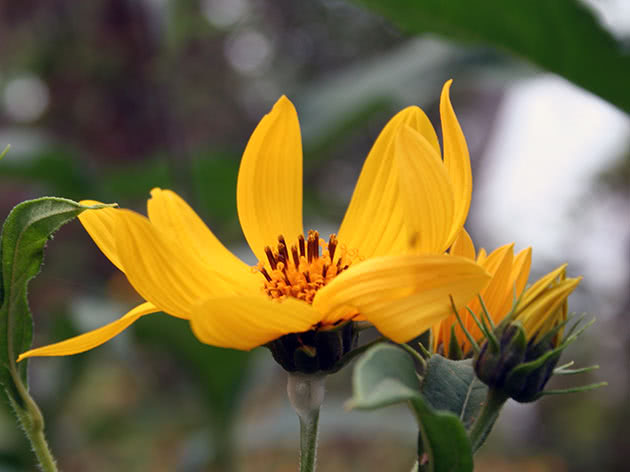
[32,421]
[489,413]
[308,442]
[306,394]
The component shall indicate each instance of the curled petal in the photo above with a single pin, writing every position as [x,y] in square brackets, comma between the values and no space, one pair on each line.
[456,160]
[542,314]
[425,191]
[374,221]
[100,225]
[90,340]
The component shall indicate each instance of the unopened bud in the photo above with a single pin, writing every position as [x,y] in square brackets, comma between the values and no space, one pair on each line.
[494,363]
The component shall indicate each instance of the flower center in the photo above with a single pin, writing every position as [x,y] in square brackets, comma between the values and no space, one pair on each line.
[302,270]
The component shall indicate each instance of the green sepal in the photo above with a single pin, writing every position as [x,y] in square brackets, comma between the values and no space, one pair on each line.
[454,349]
[315,351]
[492,367]
[386,375]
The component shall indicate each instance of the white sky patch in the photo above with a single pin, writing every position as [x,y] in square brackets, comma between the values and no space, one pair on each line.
[614,15]
[550,143]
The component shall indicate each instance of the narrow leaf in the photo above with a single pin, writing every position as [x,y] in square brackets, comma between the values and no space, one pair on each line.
[24,235]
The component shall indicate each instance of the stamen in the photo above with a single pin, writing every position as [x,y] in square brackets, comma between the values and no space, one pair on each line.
[296,256]
[332,245]
[300,270]
[316,244]
[313,245]
[282,250]
[272,259]
[309,247]
[301,243]
[282,263]
[264,272]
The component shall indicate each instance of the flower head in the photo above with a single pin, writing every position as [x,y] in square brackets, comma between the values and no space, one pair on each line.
[520,330]
[386,264]
[539,309]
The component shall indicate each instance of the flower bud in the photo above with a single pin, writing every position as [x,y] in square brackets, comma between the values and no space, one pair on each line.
[525,383]
[493,364]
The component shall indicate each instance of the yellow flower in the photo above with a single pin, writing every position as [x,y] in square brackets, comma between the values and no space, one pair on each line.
[539,309]
[406,195]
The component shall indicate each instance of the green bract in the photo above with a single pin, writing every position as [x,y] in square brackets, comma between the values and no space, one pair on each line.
[386,375]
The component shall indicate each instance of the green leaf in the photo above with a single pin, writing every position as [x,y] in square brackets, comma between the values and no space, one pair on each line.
[452,386]
[562,36]
[386,375]
[25,233]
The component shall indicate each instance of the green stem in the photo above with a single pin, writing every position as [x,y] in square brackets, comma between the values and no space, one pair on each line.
[32,421]
[489,413]
[306,394]
[308,442]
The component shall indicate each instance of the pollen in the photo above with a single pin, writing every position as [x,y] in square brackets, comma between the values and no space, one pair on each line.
[301,270]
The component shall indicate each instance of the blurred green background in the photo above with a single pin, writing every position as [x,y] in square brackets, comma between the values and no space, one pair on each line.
[109,98]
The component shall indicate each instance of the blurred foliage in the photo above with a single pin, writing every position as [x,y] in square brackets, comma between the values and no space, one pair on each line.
[561,36]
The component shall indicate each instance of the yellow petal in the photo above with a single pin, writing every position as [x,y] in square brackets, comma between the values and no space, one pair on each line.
[90,340]
[170,279]
[100,226]
[539,316]
[518,278]
[181,226]
[401,295]
[481,256]
[540,286]
[247,322]
[425,191]
[456,160]
[499,292]
[374,221]
[520,270]
[269,189]
[463,246]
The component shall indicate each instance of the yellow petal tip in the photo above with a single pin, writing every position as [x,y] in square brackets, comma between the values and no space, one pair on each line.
[283,103]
